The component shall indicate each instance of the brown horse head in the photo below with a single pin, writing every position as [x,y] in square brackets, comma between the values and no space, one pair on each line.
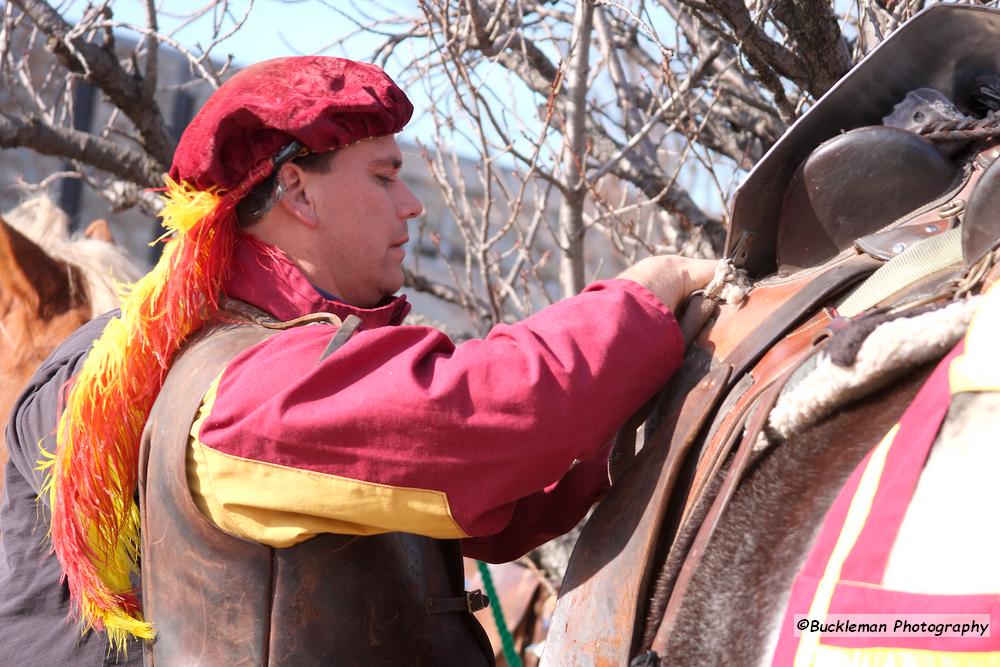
[49,286]
[42,300]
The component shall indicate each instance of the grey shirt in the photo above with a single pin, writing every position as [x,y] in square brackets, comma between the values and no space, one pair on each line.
[36,626]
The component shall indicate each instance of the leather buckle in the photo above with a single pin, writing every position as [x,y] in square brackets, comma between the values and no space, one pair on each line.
[471,602]
[476,600]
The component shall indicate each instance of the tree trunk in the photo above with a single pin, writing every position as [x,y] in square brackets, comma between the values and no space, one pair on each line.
[571,229]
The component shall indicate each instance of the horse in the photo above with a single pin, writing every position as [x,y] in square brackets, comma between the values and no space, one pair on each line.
[50,284]
[868,251]
[780,504]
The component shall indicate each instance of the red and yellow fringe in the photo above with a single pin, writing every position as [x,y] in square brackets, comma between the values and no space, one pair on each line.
[92,476]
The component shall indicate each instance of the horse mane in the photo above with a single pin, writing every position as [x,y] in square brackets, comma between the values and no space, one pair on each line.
[103,266]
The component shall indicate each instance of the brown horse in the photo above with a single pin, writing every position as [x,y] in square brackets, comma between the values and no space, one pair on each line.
[50,284]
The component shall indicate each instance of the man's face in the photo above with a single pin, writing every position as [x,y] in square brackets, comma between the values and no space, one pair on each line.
[362,209]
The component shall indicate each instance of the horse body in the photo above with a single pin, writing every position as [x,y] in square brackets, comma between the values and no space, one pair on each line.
[49,286]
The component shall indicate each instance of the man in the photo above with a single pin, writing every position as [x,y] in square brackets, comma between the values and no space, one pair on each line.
[309,472]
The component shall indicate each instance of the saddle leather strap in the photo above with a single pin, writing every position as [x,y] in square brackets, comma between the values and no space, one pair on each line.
[250,313]
[698,311]
[741,461]
[888,244]
[807,300]
[471,602]
[921,260]
[623,444]
[718,444]
[697,314]
[243,311]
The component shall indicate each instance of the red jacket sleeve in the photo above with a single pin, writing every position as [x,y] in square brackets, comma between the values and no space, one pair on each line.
[545,514]
[491,426]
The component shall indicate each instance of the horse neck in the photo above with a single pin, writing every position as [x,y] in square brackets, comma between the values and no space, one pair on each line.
[50,285]
[95,268]
[29,331]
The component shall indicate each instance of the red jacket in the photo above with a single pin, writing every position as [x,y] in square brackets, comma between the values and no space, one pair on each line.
[501,441]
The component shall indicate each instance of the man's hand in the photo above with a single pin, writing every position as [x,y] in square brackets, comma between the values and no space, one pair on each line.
[671,277]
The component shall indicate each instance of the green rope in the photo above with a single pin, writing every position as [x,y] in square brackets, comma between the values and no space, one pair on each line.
[513,659]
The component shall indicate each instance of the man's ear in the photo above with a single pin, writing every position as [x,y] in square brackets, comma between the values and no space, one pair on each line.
[295,198]
[100,231]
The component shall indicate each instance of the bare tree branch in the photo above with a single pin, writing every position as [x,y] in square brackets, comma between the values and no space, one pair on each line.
[39,136]
[448,294]
[101,68]
[152,53]
[571,229]
[813,27]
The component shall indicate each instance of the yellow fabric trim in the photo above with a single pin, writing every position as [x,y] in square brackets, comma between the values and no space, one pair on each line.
[281,506]
[857,514]
[196,465]
[978,369]
[837,656]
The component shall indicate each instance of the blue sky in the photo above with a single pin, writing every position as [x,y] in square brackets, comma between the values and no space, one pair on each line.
[287,27]
[277,28]
[274,27]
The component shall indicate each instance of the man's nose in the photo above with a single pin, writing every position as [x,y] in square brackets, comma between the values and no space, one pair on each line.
[409,205]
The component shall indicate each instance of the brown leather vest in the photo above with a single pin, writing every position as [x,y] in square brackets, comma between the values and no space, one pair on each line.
[215,599]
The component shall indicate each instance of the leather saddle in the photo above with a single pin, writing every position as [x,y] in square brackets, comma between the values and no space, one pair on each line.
[944,47]
[859,200]
[854,185]
[981,224]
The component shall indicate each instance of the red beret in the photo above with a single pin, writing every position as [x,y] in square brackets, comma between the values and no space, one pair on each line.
[323,103]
